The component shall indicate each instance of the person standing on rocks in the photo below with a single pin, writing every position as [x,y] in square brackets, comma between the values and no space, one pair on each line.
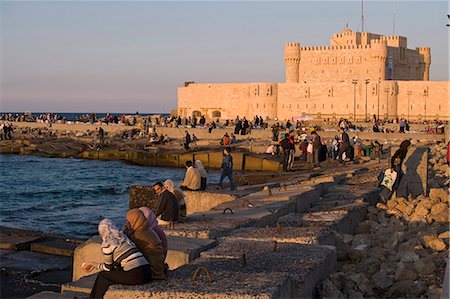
[396,166]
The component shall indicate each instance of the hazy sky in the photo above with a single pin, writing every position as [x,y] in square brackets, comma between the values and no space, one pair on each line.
[123,56]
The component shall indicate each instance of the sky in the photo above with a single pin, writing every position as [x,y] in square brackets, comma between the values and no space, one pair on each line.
[128,56]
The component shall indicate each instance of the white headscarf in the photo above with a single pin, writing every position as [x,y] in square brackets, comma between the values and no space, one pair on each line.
[111,236]
[170,185]
[201,168]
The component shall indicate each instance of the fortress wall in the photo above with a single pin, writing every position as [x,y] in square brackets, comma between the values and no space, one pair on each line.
[406,65]
[333,99]
[346,63]
[230,99]
[435,94]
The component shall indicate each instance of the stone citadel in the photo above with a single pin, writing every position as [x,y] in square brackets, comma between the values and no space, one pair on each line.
[358,76]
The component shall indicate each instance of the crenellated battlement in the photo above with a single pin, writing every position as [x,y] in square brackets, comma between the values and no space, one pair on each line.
[292,44]
[390,37]
[345,47]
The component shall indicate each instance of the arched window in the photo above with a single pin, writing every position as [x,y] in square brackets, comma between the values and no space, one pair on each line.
[196,113]
[216,114]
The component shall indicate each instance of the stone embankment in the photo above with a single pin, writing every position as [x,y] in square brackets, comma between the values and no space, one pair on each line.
[401,248]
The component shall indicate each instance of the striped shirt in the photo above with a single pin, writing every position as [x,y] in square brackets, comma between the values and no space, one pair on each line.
[128,256]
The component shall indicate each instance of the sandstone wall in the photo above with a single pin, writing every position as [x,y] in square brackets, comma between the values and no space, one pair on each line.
[228,100]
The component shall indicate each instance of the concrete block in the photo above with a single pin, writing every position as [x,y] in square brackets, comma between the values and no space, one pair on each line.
[204,157]
[199,201]
[252,163]
[28,261]
[184,250]
[182,158]
[89,251]
[57,247]
[17,242]
[83,285]
[304,200]
[55,295]
[271,165]
[142,158]
[215,159]
[238,160]
[290,272]
[167,160]
[143,196]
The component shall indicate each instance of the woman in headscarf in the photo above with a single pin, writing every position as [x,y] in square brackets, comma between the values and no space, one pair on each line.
[123,263]
[204,176]
[396,166]
[153,223]
[179,194]
[148,242]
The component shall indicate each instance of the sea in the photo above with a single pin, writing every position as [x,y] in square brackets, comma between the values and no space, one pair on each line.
[69,197]
[72,116]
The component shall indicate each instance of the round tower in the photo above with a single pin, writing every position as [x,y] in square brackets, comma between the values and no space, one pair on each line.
[292,60]
[425,61]
[379,57]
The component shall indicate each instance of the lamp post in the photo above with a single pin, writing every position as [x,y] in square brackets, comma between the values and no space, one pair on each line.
[386,90]
[409,93]
[354,82]
[367,83]
[378,95]
[425,95]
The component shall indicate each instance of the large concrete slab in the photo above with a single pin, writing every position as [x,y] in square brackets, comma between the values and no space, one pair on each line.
[291,271]
[33,261]
[57,247]
[317,233]
[184,250]
[55,295]
[17,242]
[83,285]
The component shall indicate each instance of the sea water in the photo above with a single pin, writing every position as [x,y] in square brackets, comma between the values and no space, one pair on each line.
[70,196]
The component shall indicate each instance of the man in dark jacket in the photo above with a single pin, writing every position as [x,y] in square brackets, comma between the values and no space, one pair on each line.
[187,141]
[288,152]
[227,169]
[167,205]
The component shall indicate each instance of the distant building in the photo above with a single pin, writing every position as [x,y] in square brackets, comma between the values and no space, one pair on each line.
[358,76]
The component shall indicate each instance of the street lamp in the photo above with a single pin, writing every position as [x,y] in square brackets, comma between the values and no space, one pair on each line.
[378,95]
[409,93]
[354,82]
[386,90]
[367,82]
[425,94]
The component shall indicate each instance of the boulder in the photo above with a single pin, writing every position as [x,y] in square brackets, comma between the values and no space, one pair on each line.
[444,235]
[425,266]
[434,292]
[369,266]
[406,251]
[417,218]
[358,282]
[407,288]
[440,207]
[422,210]
[372,210]
[328,290]
[394,239]
[404,208]
[389,268]
[431,241]
[382,220]
[391,204]
[405,272]
[382,280]
[361,241]
[441,217]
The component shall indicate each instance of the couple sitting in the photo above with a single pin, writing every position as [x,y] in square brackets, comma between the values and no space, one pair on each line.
[195,178]
[171,204]
[133,256]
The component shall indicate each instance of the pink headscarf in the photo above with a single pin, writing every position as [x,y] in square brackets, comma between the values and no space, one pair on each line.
[151,218]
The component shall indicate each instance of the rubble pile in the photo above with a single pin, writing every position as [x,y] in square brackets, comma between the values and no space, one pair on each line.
[400,250]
